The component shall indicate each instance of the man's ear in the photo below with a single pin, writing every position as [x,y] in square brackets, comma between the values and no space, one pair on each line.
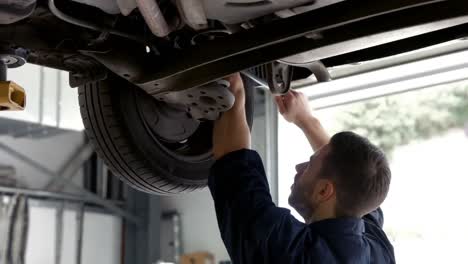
[325,190]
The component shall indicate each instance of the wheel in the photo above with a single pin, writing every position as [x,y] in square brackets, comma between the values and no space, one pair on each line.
[129,130]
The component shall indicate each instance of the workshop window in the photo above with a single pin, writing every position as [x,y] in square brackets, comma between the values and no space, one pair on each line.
[425,135]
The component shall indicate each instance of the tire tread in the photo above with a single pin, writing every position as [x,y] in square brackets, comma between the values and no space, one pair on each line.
[108,137]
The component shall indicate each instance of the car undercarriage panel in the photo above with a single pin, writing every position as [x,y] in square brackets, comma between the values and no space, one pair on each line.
[238,11]
[373,24]
[108,6]
[226,11]
[321,34]
[13,11]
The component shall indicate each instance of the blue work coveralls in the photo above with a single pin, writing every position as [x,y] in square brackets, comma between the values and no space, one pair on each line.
[255,230]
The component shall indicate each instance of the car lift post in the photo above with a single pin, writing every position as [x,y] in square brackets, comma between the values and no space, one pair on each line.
[12,96]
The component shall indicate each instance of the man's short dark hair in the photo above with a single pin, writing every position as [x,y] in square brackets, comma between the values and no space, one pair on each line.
[360,172]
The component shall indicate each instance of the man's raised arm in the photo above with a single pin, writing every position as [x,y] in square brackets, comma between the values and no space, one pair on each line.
[231,132]
[253,229]
[294,107]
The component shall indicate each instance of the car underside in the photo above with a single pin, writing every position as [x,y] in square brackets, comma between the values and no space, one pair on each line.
[150,72]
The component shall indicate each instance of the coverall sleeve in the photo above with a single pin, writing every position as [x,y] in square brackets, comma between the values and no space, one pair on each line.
[251,226]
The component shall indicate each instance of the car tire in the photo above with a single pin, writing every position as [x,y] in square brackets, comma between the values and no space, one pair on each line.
[122,138]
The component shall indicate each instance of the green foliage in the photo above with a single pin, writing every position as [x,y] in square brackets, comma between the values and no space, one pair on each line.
[397,120]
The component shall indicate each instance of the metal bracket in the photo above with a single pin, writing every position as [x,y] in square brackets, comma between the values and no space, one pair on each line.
[279,77]
[320,71]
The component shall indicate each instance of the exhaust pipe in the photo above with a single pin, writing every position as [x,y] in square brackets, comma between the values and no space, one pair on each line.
[12,96]
[154,18]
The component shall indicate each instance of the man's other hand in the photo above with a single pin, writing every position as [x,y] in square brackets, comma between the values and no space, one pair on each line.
[294,107]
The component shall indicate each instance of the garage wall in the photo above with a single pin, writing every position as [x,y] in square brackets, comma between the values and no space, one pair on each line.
[37,133]
[199,225]
[51,103]
[50,100]
[101,235]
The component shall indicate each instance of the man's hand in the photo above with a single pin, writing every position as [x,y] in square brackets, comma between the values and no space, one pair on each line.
[237,89]
[294,107]
[231,132]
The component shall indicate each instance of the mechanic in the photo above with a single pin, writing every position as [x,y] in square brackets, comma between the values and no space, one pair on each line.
[338,192]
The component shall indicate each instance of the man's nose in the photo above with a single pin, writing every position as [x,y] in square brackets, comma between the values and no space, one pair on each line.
[301,167]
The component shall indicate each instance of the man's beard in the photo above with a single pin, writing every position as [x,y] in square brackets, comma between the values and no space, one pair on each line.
[298,200]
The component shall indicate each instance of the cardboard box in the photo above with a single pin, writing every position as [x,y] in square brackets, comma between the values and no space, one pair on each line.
[197,258]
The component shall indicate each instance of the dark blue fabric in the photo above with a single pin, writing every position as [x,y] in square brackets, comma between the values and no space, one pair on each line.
[255,231]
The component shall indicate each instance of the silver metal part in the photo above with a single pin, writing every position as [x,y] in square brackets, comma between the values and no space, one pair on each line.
[154,18]
[12,11]
[239,11]
[12,60]
[204,102]
[86,24]
[126,6]
[192,13]
[320,71]
[305,8]
[108,6]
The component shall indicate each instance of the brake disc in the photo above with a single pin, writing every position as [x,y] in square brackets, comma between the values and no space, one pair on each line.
[205,102]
